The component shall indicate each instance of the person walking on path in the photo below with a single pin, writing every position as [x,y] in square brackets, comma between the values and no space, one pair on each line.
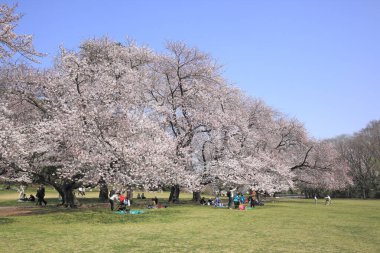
[41,196]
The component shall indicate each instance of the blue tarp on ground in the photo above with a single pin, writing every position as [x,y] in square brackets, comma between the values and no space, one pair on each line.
[130,212]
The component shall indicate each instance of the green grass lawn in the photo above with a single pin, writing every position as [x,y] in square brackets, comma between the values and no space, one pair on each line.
[284,226]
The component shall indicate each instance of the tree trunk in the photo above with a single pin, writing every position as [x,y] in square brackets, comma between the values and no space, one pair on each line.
[130,194]
[67,194]
[103,191]
[174,194]
[258,196]
[197,197]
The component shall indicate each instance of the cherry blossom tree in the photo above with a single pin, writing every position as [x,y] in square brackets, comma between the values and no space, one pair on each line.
[185,90]
[107,81]
[258,149]
[88,122]
[11,42]
[37,143]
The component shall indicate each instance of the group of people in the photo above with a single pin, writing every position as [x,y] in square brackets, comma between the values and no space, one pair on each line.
[40,196]
[120,199]
[153,203]
[24,198]
[120,202]
[239,199]
[233,199]
[142,196]
[327,200]
[217,202]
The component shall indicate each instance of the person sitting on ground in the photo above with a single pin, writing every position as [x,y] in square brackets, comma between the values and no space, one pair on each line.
[127,202]
[258,203]
[151,204]
[210,202]
[31,198]
[138,196]
[122,206]
[218,202]
[143,196]
[23,198]
[155,200]
[121,197]
[203,201]
[122,203]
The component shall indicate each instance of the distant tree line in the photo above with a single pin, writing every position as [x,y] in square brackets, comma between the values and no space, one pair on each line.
[361,151]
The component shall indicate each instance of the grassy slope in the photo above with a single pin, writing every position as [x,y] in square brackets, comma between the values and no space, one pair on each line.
[285,226]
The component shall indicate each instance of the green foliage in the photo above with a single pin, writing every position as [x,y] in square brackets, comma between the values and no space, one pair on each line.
[284,226]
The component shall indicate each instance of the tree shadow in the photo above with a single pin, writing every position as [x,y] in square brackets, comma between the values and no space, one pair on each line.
[4,221]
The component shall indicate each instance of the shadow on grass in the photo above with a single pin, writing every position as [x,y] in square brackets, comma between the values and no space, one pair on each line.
[91,211]
[4,221]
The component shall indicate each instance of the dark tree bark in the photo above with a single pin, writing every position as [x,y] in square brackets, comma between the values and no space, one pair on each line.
[66,192]
[258,195]
[68,196]
[197,197]
[103,190]
[130,194]
[174,194]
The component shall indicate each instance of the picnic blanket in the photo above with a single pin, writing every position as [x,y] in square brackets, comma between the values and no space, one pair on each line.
[130,212]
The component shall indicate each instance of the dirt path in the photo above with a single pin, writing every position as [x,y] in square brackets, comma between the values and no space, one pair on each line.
[19,210]
[33,210]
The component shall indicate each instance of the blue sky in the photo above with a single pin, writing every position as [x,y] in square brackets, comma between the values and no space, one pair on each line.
[317,61]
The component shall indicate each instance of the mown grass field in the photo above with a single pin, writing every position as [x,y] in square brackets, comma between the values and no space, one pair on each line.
[284,226]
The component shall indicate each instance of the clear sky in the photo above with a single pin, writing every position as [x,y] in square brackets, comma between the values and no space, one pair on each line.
[317,61]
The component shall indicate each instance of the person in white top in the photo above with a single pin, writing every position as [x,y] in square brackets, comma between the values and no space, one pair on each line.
[114,198]
[328,200]
[230,195]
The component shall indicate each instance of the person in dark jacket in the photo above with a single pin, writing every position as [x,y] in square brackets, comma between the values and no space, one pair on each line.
[31,198]
[41,196]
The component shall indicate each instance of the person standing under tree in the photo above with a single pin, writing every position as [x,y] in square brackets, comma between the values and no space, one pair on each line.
[41,195]
[230,195]
[236,201]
